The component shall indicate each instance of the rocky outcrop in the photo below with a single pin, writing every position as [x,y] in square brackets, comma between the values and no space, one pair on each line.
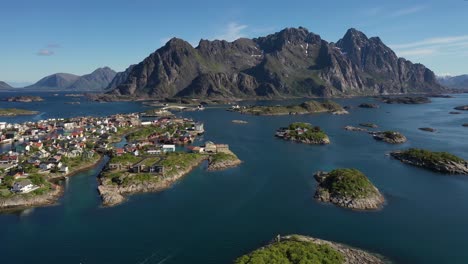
[369,125]
[290,63]
[405,100]
[24,99]
[352,128]
[357,191]
[239,121]
[428,129]
[391,137]
[229,161]
[463,108]
[20,201]
[351,255]
[436,161]
[368,105]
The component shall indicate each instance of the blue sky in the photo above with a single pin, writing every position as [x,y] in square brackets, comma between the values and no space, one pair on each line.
[39,38]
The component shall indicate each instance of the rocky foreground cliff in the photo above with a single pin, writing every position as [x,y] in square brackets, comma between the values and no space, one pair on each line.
[292,62]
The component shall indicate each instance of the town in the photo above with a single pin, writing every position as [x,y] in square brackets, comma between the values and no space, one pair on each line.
[35,154]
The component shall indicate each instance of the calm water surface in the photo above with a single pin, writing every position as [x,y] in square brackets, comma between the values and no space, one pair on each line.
[213,217]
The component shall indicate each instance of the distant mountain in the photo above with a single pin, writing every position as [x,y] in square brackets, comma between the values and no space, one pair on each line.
[97,80]
[119,78]
[455,82]
[5,86]
[292,62]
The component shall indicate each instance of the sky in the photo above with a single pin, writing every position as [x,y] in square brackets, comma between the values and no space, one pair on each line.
[39,38]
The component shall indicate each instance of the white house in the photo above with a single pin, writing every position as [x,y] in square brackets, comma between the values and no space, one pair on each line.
[24,186]
[64,169]
[168,148]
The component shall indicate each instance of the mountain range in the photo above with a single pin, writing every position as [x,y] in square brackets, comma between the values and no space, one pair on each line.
[95,81]
[5,86]
[292,62]
[455,82]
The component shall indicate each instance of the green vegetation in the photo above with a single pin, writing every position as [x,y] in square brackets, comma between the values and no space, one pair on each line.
[15,112]
[307,132]
[126,158]
[220,157]
[304,108]
[294,252]
[431,157]
[176,161]
[144,132]
[348,183]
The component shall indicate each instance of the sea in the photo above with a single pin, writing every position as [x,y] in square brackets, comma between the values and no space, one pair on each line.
[215,217]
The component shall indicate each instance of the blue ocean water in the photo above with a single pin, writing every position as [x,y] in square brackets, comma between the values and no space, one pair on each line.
[213,217]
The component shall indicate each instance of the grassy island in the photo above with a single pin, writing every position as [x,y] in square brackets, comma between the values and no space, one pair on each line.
[304,133]
[437,161]
[297,249]
[16,112]
[392,137]
[308,107]
[348,188]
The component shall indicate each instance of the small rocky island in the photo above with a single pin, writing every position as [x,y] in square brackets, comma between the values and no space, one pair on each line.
[462,108]
[391,137]
[368,105]
[369,125]
[223,160]
[443,162]
[239,122]
[24,99]
[348,188]
[304,249]
[16,112]
[405,100]
[428,129]
[308,107]
[303,133]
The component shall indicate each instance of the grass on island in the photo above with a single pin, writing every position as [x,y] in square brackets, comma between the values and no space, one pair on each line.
[175,161]
[348,183]
[430,156]
[125,159]
[295,252]
[15,111]
[221,156]
[312,133]
[306,107]
[144,132]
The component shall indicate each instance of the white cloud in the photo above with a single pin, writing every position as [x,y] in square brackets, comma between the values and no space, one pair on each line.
[432,41]
[45,52]
[232,32]
[407,11]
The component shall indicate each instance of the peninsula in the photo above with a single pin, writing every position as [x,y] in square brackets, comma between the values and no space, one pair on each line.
[348,188]
[303,249]
[308,107]
[443,162]
[303,133]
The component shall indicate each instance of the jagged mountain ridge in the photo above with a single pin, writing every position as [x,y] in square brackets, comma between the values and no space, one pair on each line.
[292,62]
[97,80]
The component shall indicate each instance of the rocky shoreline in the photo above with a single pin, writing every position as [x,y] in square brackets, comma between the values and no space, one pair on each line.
[442,165]
[18,202]
[112,194]
[351,255]
[224,164]
[372,199]
[391,137]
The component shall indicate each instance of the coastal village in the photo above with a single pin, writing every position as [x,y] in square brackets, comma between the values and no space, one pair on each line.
[36,155]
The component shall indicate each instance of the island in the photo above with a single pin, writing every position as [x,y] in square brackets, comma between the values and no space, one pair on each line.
[442,162]
[465,125]
[239,122]
[405,100]
[16,112]
[348,188]
[391,137]
[368,105]
[454,113]
[303,133]
[308,107]
[151,161]
[24,99]
[369,125]
[352,128]
[463,108]
[304,249]
[428,129]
